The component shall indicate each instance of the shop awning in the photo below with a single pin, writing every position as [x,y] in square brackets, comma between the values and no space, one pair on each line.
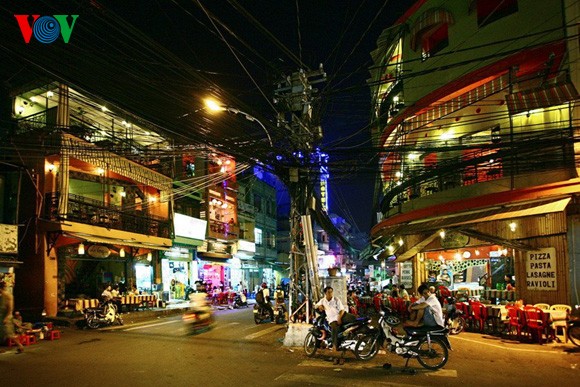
[417,248]
[219,257]
[496,240]
[429,18]
[553,95]
[118,242]
[487,214]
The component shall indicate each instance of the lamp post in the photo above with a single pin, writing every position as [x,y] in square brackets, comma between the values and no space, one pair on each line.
[212,105]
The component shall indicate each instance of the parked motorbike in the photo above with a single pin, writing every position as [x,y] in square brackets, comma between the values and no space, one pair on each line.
[320,335]
[240,301]
[104,315]
[199,317]
[261,314]
[574,330]
[429,345]
[454,319]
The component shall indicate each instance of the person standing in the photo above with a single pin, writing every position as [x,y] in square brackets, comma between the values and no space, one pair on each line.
[394,278]
[6,318]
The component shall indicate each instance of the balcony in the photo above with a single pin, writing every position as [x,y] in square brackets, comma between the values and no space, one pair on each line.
[222,230]
[529,154]
[93,212]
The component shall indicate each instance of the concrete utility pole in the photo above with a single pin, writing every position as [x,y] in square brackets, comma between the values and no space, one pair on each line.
[294,96]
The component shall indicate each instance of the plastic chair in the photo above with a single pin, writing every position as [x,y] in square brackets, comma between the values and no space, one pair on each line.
[543,306]
[479,314]
[467,316]
[560,322]
[516,320]
[535,321]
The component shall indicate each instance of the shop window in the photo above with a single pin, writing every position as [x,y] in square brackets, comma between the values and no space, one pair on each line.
[489,11]
[434,40]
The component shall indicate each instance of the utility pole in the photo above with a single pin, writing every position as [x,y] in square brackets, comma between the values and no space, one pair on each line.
[295,97]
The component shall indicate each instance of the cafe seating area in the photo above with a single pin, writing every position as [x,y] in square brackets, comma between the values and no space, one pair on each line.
[39,331]
[128,303]
[539,323]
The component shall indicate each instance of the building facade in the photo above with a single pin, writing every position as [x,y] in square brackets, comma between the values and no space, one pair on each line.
[474,112]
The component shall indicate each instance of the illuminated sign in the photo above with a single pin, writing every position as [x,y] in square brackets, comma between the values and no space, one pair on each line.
[246,246]
[46,29]
[189,227]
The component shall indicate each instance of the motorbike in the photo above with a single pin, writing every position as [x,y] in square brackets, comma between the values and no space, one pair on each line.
[199,317]
[320,335]
[429,345]
[240,301]
[454,319]
[261,314]
[104,315]
[574,330]
[279,313]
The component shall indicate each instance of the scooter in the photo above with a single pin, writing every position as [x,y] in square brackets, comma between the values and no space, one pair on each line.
[240,301]
[320,335]
[199,318]
[106,314]
[279,313]
[454,319]
[261,314]
[429,345]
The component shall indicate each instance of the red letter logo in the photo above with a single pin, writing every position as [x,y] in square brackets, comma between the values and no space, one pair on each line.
[25,27]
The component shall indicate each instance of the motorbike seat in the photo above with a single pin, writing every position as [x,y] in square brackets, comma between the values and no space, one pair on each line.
[423,330]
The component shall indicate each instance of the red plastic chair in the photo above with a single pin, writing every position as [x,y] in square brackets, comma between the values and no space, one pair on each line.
[467,316]
[516,320]
[479,314]
[535,321]
[377,300]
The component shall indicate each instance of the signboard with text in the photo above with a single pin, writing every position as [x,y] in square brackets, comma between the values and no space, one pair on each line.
[407,274]
[541,269]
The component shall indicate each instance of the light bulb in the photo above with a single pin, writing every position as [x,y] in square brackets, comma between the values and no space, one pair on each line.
[81,249]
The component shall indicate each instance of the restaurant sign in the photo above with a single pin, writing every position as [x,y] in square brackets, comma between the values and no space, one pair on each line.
[541,269]
[99,251]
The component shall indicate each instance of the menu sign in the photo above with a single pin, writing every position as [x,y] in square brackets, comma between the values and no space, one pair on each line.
[541,269]
[407,274]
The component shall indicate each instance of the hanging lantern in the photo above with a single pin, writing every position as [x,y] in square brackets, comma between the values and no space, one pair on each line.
[81,249]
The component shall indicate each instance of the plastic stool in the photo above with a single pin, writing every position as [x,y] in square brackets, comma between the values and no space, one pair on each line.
[54,335]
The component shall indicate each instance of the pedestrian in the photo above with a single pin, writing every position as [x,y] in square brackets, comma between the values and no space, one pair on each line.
[394,278]
[6,318]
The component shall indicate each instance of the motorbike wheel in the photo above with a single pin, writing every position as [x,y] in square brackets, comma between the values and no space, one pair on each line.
[366,347]
[92,322]
[120,320]
[457,325]
[257,318]
[310,345]
[432,356]
[574,335]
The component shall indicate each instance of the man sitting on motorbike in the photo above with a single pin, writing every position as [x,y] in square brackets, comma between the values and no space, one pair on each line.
[336,316]
[263,300]
[426,311]
[280,302]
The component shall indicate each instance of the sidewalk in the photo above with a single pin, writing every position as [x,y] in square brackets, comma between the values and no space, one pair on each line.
[171,309]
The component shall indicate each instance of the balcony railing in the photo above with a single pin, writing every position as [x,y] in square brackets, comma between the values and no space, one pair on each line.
[89,211]
[222,230]
[528,153]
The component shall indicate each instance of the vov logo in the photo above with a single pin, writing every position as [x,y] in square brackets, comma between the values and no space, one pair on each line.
[46,29]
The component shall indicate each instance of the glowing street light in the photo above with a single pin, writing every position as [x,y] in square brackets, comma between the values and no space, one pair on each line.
[215,106]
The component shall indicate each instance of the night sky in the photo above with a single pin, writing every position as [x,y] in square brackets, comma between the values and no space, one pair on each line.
[160,58]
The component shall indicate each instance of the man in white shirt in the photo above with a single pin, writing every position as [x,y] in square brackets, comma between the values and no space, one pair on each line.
[335,315]
[394,278]
[428,310]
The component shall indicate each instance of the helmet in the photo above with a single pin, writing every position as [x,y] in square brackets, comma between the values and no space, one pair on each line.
[264,285]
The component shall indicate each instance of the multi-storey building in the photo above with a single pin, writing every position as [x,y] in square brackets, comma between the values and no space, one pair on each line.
[474,112]
[90,211]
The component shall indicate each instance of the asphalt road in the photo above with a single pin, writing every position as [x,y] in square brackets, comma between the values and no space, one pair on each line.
[236,352]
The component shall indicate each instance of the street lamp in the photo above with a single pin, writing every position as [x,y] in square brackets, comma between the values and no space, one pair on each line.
[215,106]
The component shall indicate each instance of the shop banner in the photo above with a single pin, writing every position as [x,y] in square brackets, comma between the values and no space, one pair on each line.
[541,269]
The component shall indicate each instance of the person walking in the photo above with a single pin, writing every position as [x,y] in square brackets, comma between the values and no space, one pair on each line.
[6,318]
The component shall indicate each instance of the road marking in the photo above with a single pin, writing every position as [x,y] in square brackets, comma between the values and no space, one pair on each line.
[324,380]
[359,366]
[506,348]
[153,325]
[226,325]
[445,373]
[263,332]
